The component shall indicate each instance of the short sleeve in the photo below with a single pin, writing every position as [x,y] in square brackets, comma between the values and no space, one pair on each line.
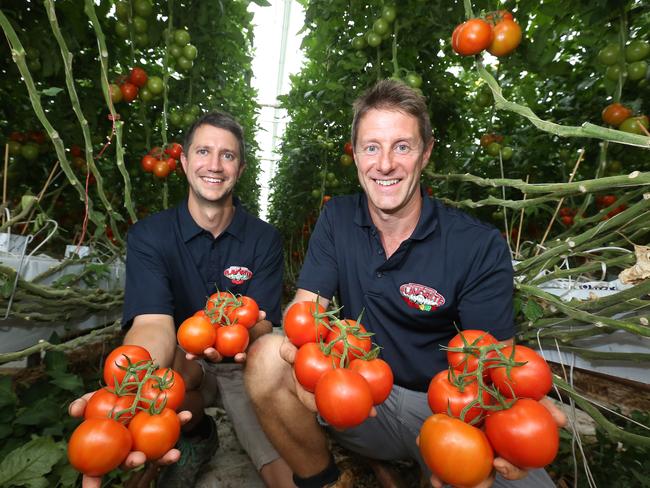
[485,301]
[147,288]
[319,273]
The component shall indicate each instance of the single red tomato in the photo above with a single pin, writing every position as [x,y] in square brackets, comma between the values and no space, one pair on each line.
[531,380]
[310,364]
[161,169]
[471,37]
[126,363]
[301,324]
[196,334]
[525,434]
[168,386]
[171,162]
[348,149]
[76,151]
[445,396]
[174,150]
[456,452]
[615,113]
[356,336]
[379,376]
[343,398]
[468,359]
[155,434]
[567,220]
[129,91]
[148,163]
[98,446]
[507,36]
[231,340]
[106,404]
[138,77]
[245,312]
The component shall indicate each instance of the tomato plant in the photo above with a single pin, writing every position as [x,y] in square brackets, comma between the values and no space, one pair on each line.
[196,334]
[310,363]
[471,37]
[456,452]
[531,380]
[467,360]
[343,398]
[105,403]
[451,396]
[301,323]
[98,446]
[168,386]
[155,434]
[231,339]
[507,36]
[525,434]
[125,362]
[378,374]
[615,113]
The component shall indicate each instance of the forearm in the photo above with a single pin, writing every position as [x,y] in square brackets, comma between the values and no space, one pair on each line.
[155,333]
[259,329]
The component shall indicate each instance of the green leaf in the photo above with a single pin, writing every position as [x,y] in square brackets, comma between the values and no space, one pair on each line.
[28,465]
[42,412]
[262,3]
[66,381]
[533,311]
[52,92]
[7,395]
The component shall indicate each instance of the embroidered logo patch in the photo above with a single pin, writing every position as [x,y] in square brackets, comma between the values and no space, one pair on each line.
[238,274]
[421,297]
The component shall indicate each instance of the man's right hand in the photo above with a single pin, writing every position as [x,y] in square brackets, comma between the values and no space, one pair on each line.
[134,458]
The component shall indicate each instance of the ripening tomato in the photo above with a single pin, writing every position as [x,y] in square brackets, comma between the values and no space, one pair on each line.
[444,396]
[525,434]
[138,77]
[348,149]
[531,380]
[168,386]
[343,398]
[310,364]
[379,376]
[148,163]
[468,359]
[105,403]
[356,336]
[615,113]
[155,434]
[456,452]
[231,340]
[129,92]
[301,326]
[174,150]
[471,37]
[495,17]
[487,139]
[98,446]
[161,169]
[246,313]
[507,36]
[128,361]
[196,334]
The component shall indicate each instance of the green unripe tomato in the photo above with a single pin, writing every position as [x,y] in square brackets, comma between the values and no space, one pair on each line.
[614,71]
[380,26]
[140,25]
[121,30]
[155,85]
[188,119]
[359,42]
[184,64]
[493,148]
[175,118]
[190,52]
[609,55]
[175,51]
[142,8]
[637,50]
[506,153]
[413,80]
[141,40]
[29,151]
[122,10]
[388,13]
[637,70]
[373,39]
[634,125]
[145,94]
[181,37]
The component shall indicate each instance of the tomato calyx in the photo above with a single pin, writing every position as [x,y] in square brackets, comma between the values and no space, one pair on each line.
[348,339]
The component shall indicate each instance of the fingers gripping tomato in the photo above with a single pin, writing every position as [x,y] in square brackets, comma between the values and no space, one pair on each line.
[196,334]
[98,445]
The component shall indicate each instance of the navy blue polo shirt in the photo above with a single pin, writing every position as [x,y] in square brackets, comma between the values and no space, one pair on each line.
[454,269]
[173,265]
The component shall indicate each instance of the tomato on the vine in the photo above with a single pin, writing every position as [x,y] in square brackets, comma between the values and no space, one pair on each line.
[246,313]
[174,150]
[343,398]
[467,360]
[115,365]
[148,163]
[456,452]
[161,169]
[348,149]
[300,325]
[168,387]
[379,376]
[231,339]
[507,36]
[138,77]
[129,92]
[635,125]
[525,434]
[445,397]
[98,446]
[171,162]
[196,334]
[358,342]
[105,403]
[471,37]
[531,380]
[615,113]
[155,434]
[310,363]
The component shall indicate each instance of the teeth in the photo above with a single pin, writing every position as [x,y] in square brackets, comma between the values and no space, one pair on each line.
[386,182]
[212,180]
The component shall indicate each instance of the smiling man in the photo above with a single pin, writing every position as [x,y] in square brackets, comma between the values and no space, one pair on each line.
[415,269]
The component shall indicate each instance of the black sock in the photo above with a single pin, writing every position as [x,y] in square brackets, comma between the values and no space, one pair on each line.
[201,430]
[329,475]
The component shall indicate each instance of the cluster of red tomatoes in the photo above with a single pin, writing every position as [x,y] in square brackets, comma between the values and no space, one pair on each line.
[336,361]
[136,83]
[136,410]
[604,201]
[498,33]
[620,116]
[223,324]
[160,162]
[487,403]
[493,145]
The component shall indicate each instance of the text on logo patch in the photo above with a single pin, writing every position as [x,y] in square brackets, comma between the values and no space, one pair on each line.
[421,297]
[238,274]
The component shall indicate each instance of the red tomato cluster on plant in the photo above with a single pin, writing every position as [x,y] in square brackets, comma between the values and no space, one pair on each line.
[135,410]
[223,324]
[495,384]
[620,116]
[160,162]
[604,201]
[566,215]
[498,33]
[335,361]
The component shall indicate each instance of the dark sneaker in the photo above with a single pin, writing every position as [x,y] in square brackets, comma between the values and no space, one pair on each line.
[195,453]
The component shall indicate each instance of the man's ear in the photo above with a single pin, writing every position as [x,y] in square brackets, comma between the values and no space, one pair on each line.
[184,162]
[427,153]
[242,167]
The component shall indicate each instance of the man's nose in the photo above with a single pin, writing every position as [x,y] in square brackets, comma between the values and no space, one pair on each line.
[385,161]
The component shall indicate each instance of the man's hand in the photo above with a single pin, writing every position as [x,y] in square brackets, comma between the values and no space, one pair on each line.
[134,458]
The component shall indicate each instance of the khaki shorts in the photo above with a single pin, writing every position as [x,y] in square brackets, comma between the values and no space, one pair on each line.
[226,381]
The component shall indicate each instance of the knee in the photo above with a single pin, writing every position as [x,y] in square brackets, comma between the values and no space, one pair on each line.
[265,370]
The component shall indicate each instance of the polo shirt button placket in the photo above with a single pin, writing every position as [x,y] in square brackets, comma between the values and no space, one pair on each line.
[379,274]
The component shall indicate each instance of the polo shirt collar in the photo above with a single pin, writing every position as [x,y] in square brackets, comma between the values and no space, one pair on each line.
[427,222]
[190,229]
